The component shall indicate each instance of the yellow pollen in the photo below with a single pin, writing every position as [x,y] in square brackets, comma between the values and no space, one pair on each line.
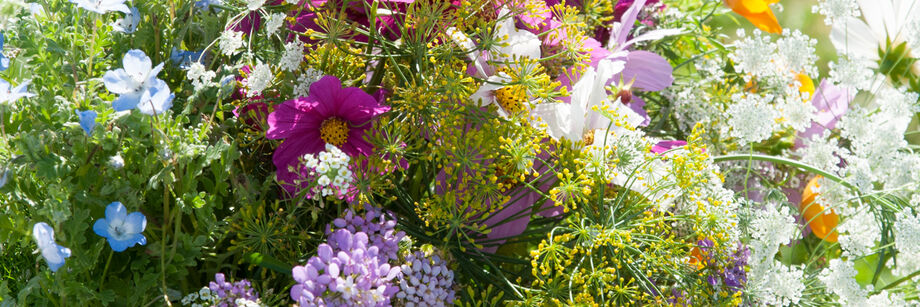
[511,98]
[334,131]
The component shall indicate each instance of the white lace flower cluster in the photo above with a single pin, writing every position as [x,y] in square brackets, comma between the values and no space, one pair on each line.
[330,171]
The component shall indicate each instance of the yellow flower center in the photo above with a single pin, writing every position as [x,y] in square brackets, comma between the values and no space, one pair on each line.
[511,98]
[334,131]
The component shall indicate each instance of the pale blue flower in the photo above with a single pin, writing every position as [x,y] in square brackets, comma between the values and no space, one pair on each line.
[136,81]
[129,23]
[156,99]
[36,9]
[102,6]
[122,230]
[11,94]
[4,61]
[87,120]
[54,254]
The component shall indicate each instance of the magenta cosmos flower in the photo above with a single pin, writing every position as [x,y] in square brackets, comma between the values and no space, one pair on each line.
[331,114]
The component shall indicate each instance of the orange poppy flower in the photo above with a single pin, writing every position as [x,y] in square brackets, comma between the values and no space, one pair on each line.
[757,12]
[822,223]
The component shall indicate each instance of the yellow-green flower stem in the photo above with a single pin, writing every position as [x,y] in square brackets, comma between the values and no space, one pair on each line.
[106,269]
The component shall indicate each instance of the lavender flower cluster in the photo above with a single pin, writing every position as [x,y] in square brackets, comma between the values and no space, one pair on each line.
[426,281]
[352,268]
[380,231]
[732,274]
[222,293]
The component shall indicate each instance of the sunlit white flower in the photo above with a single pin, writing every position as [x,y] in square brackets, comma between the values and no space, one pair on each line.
[53,253]
[887,25]
[230,41]
[11,94]
[129,23]
[102,6]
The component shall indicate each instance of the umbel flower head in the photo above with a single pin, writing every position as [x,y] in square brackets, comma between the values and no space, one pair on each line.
[329,115]
[54,254]
[123,230]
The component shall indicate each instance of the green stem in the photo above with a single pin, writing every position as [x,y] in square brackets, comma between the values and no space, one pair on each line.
[794,163]
[897,282]
[106,269]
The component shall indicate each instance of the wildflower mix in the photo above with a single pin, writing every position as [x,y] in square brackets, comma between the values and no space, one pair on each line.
[464,152]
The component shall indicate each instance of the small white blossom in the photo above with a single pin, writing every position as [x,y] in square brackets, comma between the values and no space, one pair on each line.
[200,76]
[116,162]
[292,56]
[230,42]
[753,54]
[852,73]
[839,279]
[259,79]
[302,86]
[274,22]
[858,234]
[751,119]
[836,11]
[253,5]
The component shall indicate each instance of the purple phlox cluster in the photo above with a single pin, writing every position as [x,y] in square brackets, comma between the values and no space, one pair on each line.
[381,232]
[222,293]
[732,273]
[426,281]
[348,271]
[734,276]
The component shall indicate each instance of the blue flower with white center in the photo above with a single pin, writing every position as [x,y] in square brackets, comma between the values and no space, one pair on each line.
[11,94]
[134,81]
[122,230]
[4,61]
[184,58]
[54,254]
[102,6]
[128,24]
[157,99]
[87,120]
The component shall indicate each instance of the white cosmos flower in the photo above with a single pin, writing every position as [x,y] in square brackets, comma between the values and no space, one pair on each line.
[884,20]
[572,120]
[512,44]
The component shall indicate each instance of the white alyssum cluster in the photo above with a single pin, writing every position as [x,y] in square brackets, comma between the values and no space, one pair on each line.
[852,73]
[292,56]
[274,22]
[858,234]
[839,279]
[751,119]
[200,76]
[835,11]
[795,52]
[253,5]
[822,152]
[797,112]
[229,42]
[302,86]
[770,228]
[753,54]
[776,284]
[259,79]
[330,168]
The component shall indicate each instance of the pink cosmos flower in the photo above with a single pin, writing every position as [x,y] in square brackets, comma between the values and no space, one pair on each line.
[330,114]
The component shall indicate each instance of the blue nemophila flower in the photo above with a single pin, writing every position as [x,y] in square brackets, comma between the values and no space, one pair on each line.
[137,83]
[54,254]
[129,23]
[8,93]
[102,6]
[4,61]
[156,99]
[87,120]
[184,58]
[122,230]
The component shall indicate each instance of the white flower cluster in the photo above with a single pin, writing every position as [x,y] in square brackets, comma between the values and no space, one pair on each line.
[274,22]
[907,242]
[200,76]
[259,79]
[852,73]
[302,87]
[751,119]
[292,56]
[776,284]
[230,41]
[836,11]
[775,64]
[330,172]
[858,234]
